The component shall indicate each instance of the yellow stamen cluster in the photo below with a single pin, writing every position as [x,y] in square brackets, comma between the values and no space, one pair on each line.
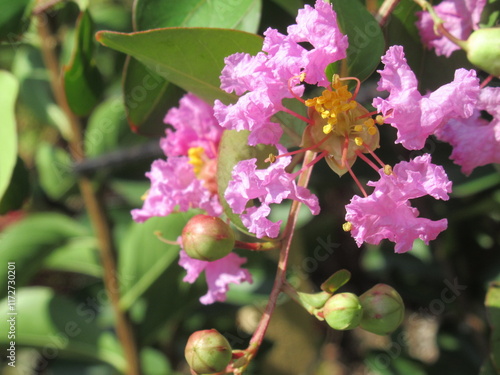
[332,103]
[347,226]
[195,155]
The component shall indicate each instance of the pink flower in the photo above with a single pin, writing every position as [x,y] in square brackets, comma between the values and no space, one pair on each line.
[174,185]
[264,79]
[219,274]
[416,116]
[270,185]
[476,141]
[460,18]
[195,126]
[182,182]
[387,212]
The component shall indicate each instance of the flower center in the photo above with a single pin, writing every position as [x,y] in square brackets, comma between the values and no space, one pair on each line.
[345,123]
[204,168]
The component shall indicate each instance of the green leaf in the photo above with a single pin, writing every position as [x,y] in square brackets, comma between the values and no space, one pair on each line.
[82,80]
[58,326]
[144,258]
[492,304]
[337,280]
[147,95]
[54,166]
[18,190]
[79,254]
[236,14]
[291,6]
[366,42]
[191,58]
[29,241]
[234,148]
[8,133]
[14,18]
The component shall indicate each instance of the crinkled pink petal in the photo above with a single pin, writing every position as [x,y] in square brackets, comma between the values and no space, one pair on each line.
[270,185]
[251,112]
[271,76]
[195,126]
[256,221]
[387,212]
[460,18]
[416,116]
[414,179]
[475,141]
[219,274]
[378,217]
[318,26]
[175,186]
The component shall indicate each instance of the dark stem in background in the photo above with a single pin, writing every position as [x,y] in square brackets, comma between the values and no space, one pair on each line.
[95,210]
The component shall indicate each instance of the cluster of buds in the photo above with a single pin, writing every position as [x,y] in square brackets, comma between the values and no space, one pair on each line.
[379,310]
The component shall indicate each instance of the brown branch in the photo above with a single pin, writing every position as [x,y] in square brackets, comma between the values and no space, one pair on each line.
[96,211]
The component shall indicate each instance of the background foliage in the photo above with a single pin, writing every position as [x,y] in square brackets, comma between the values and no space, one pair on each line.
[65,322]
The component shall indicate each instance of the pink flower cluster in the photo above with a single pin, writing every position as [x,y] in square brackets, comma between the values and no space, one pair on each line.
[265,80]
[387,213]
[174,184]
[270,185]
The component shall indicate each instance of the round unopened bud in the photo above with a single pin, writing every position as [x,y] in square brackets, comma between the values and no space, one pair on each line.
[343,311]
[207,352]
[383,309]
[207,238]
[483,49]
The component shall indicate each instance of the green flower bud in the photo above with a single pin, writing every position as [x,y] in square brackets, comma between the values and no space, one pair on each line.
[383,309]
[483,49]
[343,311]
[207,238]
[207,352]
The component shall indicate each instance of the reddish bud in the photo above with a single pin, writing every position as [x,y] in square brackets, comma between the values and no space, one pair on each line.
[207,352]
[207,238]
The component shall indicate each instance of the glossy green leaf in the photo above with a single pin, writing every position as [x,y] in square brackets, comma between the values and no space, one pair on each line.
[337,280]
[57,326]
[29,241]
[191,58]
[18,190]
[148,95]
[107,129]
[237,14]
[233,148]
[82,81]
[54,166]
[366,42]
[492,304]
[78,254]
[14,18]
[144,258]
[8,131]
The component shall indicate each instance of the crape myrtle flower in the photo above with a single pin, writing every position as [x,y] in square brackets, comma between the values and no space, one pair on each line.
[266,79]
[387,213]
[186,179]
[417,116]
[460,18]
[270,185]
[475,140]
[219,274]
[338,129]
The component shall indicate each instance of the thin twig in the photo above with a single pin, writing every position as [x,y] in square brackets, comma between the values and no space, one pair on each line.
[95,209]
[280,278]
[385,11]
